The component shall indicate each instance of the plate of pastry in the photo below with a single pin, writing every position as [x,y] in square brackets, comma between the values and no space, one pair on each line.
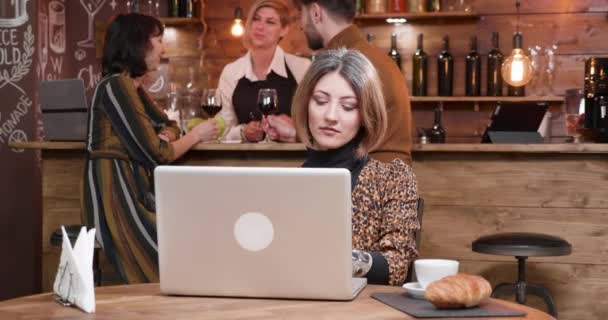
[414,290]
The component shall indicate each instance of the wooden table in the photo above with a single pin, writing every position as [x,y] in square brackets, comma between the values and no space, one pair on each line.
[144,301]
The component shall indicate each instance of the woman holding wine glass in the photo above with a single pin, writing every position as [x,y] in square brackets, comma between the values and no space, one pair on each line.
[265,66]
[128,136]
[339,114]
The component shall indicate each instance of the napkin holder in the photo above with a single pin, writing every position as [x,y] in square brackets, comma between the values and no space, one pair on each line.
[73,284]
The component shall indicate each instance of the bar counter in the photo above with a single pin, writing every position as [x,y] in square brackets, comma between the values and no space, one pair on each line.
[470,190]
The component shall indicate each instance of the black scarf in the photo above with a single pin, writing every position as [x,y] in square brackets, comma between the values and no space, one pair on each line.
[343,157]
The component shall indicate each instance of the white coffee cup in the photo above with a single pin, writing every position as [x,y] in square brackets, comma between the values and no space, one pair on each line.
[429,270]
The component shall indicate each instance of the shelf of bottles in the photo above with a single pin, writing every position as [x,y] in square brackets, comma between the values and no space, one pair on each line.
[414,16]
[431,99]
[179,21]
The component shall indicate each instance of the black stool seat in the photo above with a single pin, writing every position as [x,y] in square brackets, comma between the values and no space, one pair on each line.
[521,244]
[72,232]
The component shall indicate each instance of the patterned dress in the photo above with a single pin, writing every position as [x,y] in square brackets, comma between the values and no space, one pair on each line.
[118,198]
[385,215]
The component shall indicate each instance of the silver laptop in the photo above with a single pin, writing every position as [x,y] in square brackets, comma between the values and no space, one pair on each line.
[255,232]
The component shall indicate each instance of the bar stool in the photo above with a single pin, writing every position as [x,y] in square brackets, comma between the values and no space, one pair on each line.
[72,232]
[522,246]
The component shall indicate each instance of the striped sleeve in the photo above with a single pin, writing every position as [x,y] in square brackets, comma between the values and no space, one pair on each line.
[159,118]
[132,124]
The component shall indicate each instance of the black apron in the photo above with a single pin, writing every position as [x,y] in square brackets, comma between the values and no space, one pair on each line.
[245,95]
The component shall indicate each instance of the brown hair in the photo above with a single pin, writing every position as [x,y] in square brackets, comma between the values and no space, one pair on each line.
[279,6]
[342,9]
[363,79]
[127,42]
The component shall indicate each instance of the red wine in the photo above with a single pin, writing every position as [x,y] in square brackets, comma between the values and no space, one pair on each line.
[473,71]
[495,58]
[267,108]
[419,81]
[211,110]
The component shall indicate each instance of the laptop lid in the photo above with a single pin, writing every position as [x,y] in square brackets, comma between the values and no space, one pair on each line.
[64,109]
[254,232]
[62,95]
[516,122]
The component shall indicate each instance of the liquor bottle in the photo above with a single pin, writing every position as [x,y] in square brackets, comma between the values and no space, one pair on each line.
[393,52]
[473,71]
[495,58]
[360,6]
[396,6]
[419,81]
[174,8]
[370,38]
[445,70]
[433,5]
[437,133]
[184,8]
[516,91]
[375,6]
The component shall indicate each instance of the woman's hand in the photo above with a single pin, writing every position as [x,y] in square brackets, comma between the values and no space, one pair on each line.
[167,135]
[253,131]
[280,128]
[206,131]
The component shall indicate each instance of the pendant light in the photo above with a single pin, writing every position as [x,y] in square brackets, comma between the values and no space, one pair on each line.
[237,27]
[517,67]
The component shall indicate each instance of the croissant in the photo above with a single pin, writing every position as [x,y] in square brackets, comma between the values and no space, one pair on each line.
[458,291]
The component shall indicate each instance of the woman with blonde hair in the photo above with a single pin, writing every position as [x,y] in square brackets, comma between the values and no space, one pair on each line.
[265,65]
[339,114]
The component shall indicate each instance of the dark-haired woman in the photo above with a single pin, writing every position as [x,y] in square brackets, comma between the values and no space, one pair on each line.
[128,136]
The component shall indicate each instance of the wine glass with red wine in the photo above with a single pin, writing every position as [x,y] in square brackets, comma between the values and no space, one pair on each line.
[268,104]
[211,103]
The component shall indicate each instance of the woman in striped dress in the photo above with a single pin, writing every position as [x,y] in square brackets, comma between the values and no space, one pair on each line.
[128,136]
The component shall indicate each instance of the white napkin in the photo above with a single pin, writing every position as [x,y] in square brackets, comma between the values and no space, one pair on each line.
[74,279]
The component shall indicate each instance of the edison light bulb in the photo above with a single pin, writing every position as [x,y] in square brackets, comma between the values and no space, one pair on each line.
[517,67]
[237,28]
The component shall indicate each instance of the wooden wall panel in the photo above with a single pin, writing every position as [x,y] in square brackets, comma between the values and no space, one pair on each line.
[504,184]
[461,225]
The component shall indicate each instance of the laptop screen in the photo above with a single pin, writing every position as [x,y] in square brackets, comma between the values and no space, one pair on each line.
[516,117]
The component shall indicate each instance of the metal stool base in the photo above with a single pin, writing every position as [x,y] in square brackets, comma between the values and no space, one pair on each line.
[521,289]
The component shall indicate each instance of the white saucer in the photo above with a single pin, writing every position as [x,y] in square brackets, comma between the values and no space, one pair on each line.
[414,289]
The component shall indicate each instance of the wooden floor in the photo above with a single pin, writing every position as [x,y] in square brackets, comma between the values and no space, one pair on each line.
[468,193]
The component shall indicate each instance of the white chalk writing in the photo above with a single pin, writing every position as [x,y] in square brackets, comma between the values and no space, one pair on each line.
[8,125]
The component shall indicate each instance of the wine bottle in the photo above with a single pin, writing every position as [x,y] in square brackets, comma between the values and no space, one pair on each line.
[516,91]
[495,58]
[437,133]
[445,70]
[419,81]
[393,52]
[174,8]
[433,5]
[183,8]
[473,71]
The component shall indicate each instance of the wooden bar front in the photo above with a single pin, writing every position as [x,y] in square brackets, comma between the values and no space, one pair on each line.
[469,190]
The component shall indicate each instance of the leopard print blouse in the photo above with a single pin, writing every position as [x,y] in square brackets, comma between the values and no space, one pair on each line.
[384,214]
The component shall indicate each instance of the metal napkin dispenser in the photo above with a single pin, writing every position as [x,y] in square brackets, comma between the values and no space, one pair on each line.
[64,110]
